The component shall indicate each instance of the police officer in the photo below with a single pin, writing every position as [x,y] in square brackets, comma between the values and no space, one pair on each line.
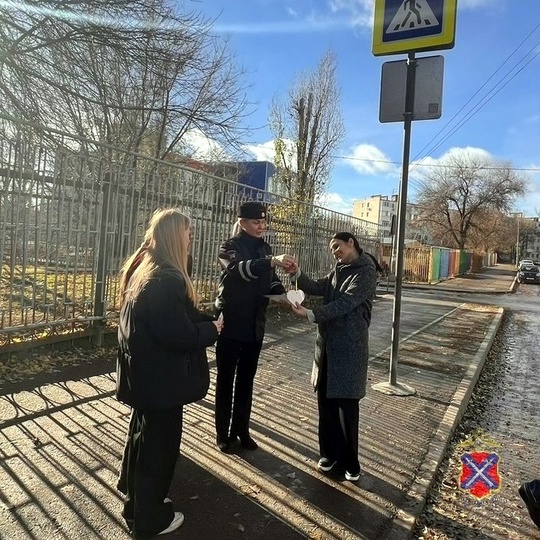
[248,273]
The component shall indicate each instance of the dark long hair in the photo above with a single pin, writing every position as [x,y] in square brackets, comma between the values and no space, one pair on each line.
[345,237]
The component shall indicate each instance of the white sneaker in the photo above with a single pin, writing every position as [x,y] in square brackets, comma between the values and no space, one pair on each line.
[352,477]
[178,519]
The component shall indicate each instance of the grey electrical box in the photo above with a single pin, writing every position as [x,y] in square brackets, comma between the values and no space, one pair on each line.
[427,91]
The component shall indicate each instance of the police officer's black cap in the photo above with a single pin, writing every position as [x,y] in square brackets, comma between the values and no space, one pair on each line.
[252,210]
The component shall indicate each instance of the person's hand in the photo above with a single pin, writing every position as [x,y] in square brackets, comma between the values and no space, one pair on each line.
[284,261]
[219,324]
[299,310]
[291,269]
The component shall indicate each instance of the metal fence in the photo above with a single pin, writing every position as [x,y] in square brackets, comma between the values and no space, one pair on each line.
[71,210]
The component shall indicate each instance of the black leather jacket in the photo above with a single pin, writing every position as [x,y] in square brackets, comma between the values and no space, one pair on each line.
[246,277]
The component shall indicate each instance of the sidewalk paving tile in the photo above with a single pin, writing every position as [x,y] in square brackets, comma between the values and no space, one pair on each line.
[61,443]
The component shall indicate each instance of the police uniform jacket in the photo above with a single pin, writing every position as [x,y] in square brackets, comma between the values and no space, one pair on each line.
[162,339]
[247,275]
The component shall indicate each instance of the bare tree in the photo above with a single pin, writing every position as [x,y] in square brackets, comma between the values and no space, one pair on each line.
[526,235]
[456,196]
[137,74]
[493,231]
[307,128]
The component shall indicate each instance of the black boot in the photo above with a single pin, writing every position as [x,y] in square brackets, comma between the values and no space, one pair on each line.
[245,440]
[224,444]
[530,493]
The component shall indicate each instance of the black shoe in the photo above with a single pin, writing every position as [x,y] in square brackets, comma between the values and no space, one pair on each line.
[530,493]
[224,444]
[248,443]
[245,441]
[326,464]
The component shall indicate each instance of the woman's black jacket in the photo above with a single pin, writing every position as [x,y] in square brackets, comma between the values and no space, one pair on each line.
[162,340]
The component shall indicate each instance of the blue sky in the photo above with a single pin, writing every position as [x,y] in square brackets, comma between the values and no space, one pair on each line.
[275,40]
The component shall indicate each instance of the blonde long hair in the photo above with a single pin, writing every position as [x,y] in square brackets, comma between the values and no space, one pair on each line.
[164,243]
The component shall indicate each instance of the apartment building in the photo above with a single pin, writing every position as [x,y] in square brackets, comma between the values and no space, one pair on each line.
[379,209]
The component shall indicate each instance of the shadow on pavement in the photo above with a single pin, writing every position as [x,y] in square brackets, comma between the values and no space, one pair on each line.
[61,444]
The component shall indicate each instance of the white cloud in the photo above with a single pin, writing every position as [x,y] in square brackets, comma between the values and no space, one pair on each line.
[455,152]
[473,4]
[529,205]
[292,12]
[333,15]
[336,202]
[360,12]
[202,147]
[418,169]
[266,151]
[313,24]
[364,158]
[533,170]
[262,152]
[368,159]
[467,151]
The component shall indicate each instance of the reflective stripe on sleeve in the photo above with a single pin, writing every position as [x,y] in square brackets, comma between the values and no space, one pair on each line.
[248,270]
[241,271]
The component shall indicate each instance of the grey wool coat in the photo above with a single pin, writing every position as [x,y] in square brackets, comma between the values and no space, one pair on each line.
[342,325]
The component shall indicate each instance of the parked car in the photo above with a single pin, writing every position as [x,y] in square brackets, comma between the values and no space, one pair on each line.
[529,273]
[525,262]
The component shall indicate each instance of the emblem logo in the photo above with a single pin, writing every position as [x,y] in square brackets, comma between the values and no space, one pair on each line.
[480,473]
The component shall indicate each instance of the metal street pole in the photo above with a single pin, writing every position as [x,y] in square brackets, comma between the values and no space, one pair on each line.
[517,242]
[390,261]
[392,386]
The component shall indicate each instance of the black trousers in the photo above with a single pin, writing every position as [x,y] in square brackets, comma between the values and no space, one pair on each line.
[150,456]
[338,426]
[236,367]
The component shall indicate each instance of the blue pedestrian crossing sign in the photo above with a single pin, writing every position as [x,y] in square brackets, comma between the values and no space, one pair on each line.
[403,26]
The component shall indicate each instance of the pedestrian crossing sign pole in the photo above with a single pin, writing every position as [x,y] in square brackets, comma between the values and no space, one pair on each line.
[402,26]
[408,26]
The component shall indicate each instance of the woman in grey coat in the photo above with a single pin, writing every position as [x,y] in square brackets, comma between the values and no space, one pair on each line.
[341,352]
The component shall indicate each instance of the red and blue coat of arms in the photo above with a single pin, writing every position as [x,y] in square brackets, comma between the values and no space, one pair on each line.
[480,473]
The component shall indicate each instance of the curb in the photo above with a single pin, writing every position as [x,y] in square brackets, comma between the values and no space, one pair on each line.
[434,288]
[404,522]
[514,286]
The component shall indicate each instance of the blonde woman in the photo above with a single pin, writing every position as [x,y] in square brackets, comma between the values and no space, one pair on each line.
[162,366]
